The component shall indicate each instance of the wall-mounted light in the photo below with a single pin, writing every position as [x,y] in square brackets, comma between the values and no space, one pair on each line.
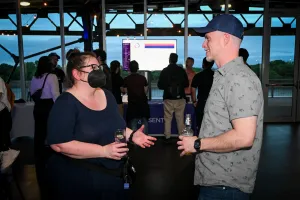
[25,3]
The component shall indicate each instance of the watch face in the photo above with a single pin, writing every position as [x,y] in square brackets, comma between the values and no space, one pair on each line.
[197,144]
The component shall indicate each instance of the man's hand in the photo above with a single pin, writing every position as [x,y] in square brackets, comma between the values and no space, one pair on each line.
[195,104]
[186,144]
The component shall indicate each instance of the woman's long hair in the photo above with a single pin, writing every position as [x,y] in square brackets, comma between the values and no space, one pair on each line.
[44,66]
[114,66]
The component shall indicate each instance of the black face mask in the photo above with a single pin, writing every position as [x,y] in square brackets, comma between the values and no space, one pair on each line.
[96,78]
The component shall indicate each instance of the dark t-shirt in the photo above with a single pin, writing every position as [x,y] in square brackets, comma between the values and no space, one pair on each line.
[135,84]
[173,79]
[71,120]
[117,82]
[137,100]
[60,76]
[203,81]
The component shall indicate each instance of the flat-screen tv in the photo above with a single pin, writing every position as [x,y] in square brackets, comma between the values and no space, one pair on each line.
[150,54]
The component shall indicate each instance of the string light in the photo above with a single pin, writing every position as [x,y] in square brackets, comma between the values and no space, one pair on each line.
[95,16]
[32,16]
[190,34]
[179,31]
[141,35]
[2,33]
[45,4]
[118,35]
[223,6]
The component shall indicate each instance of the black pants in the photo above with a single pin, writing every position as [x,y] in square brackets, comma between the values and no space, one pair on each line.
[199,113]
[41,112]
[5,128]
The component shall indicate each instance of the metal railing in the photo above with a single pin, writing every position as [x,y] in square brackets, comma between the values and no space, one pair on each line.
[282,89]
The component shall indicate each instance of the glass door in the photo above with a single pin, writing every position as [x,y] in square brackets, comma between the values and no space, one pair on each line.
[282,86]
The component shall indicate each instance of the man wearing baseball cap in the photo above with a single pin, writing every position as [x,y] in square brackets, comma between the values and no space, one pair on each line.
[230,138]
[57,70]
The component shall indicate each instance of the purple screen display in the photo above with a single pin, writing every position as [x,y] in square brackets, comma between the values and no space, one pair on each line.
[126,55]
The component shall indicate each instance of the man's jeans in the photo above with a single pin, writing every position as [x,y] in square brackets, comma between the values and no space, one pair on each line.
[138,122]
[222,193]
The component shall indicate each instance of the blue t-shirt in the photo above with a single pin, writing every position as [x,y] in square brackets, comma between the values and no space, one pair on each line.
[70,120]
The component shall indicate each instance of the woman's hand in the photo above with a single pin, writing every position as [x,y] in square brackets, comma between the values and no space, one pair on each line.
[115,150]
[141,139]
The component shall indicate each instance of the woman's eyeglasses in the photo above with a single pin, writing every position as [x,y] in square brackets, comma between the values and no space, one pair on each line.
[94,66]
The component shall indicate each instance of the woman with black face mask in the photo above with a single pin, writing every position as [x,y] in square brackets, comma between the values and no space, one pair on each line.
[81,131]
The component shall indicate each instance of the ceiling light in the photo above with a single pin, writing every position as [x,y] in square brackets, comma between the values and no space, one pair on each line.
[24,3]
[223,6]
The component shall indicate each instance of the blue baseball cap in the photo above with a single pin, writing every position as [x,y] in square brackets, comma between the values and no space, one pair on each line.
[225,23]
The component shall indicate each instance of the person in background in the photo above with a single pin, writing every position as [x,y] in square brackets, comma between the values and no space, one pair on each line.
[203,82]
[229,143]
[5,118]
[71,52]
[87,163]
[190,74]
[245,55]
[173,80]
[136,86]
[117,83]
[57,70]
[41,112]
[101,57]
[7,155]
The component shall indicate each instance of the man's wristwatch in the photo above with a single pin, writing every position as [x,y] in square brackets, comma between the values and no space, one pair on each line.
[197,144]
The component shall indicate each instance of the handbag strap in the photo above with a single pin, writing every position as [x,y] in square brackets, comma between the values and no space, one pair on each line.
[45,81]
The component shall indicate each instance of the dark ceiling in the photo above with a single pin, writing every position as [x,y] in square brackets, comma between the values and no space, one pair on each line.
[8,6]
